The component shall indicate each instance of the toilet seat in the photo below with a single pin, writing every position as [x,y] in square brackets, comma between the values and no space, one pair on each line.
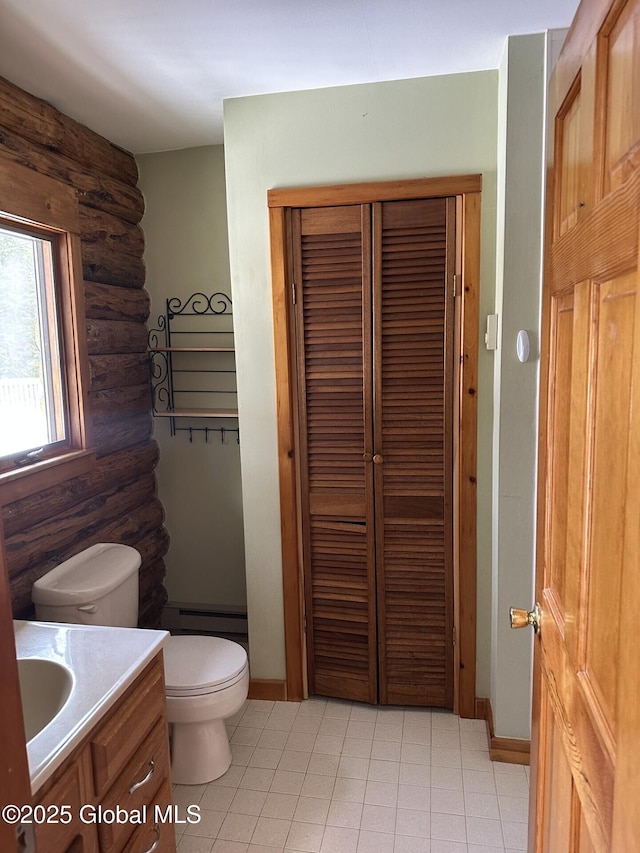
[196,665]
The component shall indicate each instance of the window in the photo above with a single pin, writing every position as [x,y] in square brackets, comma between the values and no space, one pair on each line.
[32,390]
[43,361]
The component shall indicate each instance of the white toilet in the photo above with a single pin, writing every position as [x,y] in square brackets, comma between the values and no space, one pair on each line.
[207,678]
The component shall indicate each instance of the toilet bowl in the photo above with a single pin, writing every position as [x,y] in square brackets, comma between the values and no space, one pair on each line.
[207,678]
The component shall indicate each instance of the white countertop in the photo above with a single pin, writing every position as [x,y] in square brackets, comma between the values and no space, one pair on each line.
[104,663]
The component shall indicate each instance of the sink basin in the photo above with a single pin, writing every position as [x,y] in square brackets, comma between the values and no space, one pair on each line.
[45,687]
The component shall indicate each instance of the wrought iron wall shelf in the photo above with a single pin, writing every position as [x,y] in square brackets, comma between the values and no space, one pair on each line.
[187,370]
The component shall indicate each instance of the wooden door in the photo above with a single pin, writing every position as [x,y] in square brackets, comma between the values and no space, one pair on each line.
[332,259]
[413,252]
[587,676]
[374,323]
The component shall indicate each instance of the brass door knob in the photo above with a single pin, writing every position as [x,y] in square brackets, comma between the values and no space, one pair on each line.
[523,618]
[366,457]
[377,459]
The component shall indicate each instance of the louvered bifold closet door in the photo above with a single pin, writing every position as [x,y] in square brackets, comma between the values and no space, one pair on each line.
[332,272]
[414,253]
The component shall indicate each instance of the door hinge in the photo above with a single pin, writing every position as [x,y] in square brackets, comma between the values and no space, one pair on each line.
[455,285]
[454,636]
[293,291]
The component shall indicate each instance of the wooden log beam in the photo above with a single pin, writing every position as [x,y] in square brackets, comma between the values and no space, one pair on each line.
[116,469]
[97,227]
[111,266]
[92,189]
[50,540]
[111,336]
[106,302]
[153,595]
[152,543]
[117,370]
[112,435]
[41,123]
[114,403]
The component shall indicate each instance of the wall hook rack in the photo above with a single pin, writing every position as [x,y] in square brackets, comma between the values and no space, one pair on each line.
[224,433]
[192,363]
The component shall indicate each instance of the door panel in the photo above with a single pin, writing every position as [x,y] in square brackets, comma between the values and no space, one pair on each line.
[413,316]
[614,333]
[620,60]
[562,318]
[588,534]
[340,609]
[569,141]
[559,791]
[331,261]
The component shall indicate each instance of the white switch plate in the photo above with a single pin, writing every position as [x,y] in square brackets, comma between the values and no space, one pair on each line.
[491,335]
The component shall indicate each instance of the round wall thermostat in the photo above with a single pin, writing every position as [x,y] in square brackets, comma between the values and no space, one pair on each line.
[522,345]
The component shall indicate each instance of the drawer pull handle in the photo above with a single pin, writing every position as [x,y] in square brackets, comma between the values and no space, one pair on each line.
[136,785]
[154,846]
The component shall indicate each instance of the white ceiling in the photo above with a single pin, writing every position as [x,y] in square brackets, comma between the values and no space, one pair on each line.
[151,74]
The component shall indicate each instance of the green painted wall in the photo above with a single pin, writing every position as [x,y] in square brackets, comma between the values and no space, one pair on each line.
[185,226]
[406,129]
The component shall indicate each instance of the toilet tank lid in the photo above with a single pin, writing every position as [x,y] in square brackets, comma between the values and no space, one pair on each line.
[88,575]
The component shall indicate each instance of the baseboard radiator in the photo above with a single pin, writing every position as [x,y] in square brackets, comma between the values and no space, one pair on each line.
[218,620]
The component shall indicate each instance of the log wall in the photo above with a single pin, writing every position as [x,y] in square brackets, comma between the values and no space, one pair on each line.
[116,501]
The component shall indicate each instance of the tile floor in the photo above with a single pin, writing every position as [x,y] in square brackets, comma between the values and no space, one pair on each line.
[325,776]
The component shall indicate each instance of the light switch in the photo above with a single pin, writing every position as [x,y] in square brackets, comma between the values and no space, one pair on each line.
[491,335]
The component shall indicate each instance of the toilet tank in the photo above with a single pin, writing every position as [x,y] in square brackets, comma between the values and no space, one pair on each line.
[98,586]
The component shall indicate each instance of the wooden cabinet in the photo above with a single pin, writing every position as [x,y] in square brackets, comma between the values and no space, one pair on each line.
[122,765]
[72,787]
[374,325]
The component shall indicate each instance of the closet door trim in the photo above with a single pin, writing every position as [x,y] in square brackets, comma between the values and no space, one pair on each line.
[466,190]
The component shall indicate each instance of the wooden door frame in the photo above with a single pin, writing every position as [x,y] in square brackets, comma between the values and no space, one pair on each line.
[15,786]
[467,191]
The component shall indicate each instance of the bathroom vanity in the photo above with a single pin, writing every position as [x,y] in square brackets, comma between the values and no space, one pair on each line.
[100,768]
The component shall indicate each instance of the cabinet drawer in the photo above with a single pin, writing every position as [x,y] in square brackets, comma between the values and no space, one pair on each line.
[136,786]
[69,790]
[113,745]
[155,836]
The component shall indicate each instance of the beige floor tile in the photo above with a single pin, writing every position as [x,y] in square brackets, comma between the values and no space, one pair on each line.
[413,822]
[248,802]
[271,831]
[237,827]
[312,810]
[315,785]
[292,759]
[375,842]
[347,815]
[327,776]
[337,839]
[306,837]
[287,782]
[280,806]
[379,818]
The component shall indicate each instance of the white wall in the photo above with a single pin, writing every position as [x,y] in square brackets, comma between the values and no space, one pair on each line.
[405,129]
[185,226]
